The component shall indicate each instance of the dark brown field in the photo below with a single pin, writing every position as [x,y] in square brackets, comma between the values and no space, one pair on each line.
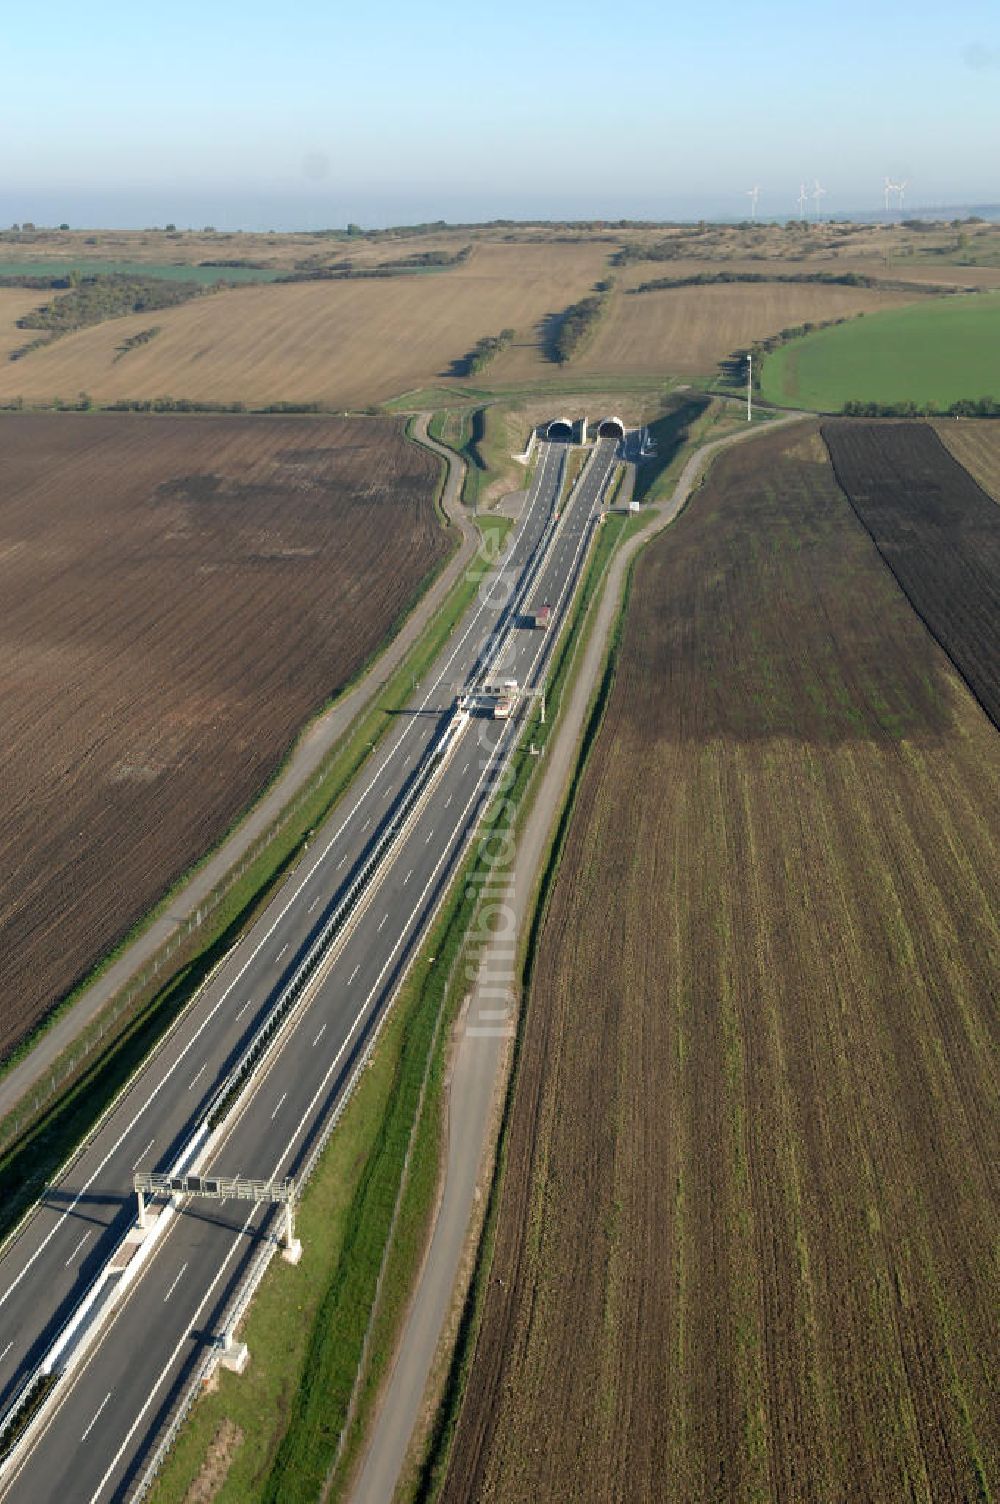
[746,1239]
[938,532]
[178,595]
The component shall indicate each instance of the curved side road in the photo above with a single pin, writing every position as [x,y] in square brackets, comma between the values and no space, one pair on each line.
[320,737]
[482,1048]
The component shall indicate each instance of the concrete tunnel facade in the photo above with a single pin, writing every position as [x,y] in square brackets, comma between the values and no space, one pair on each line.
[611,428]
[560,428]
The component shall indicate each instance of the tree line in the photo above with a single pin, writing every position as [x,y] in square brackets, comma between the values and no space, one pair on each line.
[828,279]
[91,300]
[965,407]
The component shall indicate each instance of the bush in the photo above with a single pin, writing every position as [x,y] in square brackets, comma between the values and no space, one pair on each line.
[576,323]
[484,350]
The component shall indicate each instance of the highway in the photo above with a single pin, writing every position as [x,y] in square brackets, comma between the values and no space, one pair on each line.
[105,1416]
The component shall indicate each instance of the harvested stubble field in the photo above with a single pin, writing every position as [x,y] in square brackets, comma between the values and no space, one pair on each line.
[345,344]
[939,533]
[690,329]
[745,1246]
[917,276]
[14,304]
[976,446]
[179,595]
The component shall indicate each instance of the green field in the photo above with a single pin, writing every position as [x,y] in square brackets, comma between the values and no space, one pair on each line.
[170,271]
[939,351]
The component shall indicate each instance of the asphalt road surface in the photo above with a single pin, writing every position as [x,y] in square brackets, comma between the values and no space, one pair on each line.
[108,1412]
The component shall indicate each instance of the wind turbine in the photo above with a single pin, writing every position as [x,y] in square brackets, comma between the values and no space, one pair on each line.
[899,187]
[801,200]
[889,187]
[817,194]
[753,194]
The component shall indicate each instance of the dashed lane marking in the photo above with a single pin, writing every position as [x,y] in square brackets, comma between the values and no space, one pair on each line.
[176,1282]
[97,1417]
[144,1153]
[76,1250]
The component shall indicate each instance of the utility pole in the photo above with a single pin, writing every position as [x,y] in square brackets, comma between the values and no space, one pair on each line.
[749,384]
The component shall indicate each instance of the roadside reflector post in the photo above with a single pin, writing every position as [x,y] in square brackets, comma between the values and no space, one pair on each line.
[142,1209]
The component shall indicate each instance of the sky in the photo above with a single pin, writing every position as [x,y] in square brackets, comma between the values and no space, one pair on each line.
[319,112]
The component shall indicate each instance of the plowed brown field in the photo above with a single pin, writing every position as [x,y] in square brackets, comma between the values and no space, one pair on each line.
[976,445]
[939,533]
[746,1238]
[178,595]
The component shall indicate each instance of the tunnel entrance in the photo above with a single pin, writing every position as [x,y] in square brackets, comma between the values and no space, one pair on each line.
[560,428]
[611,428]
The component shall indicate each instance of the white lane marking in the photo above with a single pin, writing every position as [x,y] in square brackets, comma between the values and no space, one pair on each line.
[280,954]
[197,1078]
[382,920]
[313,904]
[176,1282]
[367,823]
[97,1417]
[353,974]
[406,879]
[144,1152]
[293,898]
[274,1114]
[319,1036]
[468,765]
[430,837]
[6,1351]
[243,1009]
[343,859]
[76,1250]
[448,800]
